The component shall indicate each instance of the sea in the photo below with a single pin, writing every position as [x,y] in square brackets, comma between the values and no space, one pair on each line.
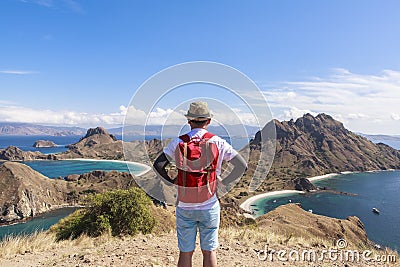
[25,142]
[368,190]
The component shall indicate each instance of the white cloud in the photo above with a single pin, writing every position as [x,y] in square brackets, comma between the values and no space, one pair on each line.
[364,102]
[233,116]
[46,116]
[69,4]
[395,116]
[294,113]
[45,3]
[17,72]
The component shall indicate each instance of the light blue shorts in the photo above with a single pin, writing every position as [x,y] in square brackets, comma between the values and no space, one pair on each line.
[207,221]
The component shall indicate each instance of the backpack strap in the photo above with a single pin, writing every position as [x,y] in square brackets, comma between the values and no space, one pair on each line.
[208,171]
[185,138]
[184,167]
[207,135]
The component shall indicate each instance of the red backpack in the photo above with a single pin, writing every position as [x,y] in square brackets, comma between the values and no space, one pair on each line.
[196,160]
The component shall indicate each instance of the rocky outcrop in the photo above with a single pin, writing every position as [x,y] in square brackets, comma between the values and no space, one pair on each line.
[97,144]
[291,218]
[301,184]
[13,153]
[99,131]
[44,143]
[26,193]
[318,145]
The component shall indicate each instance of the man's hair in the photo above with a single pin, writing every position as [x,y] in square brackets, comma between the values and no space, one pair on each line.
[199,123]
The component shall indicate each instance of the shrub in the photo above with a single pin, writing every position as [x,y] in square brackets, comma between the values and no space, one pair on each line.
[119,212]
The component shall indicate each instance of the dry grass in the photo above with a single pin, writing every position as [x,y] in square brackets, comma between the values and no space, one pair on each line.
[44,241]
[253,236]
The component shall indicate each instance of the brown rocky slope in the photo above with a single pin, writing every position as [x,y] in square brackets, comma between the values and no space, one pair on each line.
[26,193]
[97,143]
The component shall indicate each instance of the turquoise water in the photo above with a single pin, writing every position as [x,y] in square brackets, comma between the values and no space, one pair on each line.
[377,189]
[40,223]
[62,168]
[26,142]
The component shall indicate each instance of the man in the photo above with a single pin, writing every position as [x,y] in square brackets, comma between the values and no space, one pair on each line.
[198,205]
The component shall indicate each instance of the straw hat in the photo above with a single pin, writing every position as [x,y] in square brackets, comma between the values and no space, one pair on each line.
[198,111]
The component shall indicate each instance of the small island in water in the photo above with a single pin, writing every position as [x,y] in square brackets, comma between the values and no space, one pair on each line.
[44,143]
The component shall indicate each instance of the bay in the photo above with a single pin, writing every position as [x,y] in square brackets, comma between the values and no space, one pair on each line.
[373,190]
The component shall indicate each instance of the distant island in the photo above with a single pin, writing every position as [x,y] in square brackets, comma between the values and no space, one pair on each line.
[8,128]
[44,143]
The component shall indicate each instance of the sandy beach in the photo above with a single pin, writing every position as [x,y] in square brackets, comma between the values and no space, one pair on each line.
[246,205]
[325,176]
[146,167]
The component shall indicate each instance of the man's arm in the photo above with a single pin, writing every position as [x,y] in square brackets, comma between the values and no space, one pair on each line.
[159,166]
[239,167]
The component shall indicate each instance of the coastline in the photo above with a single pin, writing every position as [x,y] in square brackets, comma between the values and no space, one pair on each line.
[52,209]
[326,176]
[146,167]
[247,203]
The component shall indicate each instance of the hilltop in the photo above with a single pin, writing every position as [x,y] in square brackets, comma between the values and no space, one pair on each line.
[97,143]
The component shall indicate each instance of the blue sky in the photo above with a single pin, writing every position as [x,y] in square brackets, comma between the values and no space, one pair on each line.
[76,62]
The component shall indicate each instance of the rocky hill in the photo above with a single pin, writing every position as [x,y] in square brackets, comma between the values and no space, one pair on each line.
[13,153]
[291,218]
[318,145]
[26,193]
[97,143]
[44,143]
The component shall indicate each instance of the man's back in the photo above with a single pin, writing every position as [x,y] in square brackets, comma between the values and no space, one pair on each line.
[174,153]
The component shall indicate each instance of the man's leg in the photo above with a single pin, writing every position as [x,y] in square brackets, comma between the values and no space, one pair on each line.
[186,228]
[185,259]
[208,228]
[209,258]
